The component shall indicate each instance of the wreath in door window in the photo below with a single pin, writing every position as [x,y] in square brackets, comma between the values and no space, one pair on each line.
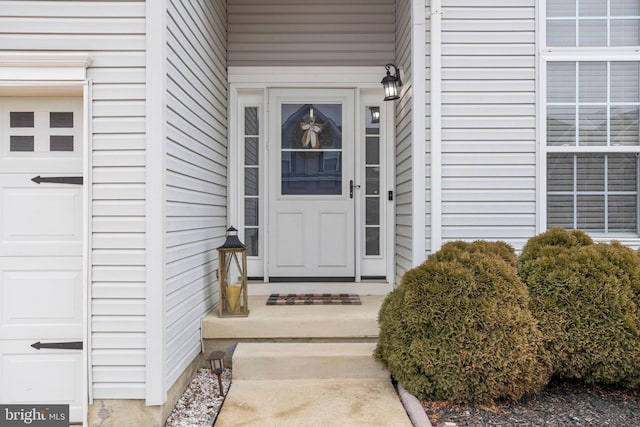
[312,132]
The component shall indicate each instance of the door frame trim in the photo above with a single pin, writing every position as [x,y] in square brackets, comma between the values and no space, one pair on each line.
[246,81]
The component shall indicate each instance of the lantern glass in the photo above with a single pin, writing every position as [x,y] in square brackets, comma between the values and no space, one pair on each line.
[232,275]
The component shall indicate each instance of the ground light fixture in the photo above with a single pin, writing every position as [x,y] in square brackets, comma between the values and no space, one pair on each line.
[391,83]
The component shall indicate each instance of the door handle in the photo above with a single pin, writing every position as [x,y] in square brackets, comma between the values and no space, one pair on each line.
[351,187]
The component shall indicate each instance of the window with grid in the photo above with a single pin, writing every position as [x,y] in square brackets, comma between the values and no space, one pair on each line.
[593,115]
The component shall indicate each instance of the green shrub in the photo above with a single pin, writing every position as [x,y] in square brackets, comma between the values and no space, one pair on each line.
[585,297]
[458,328]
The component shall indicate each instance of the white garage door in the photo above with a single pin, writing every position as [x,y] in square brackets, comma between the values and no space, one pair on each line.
[41,252]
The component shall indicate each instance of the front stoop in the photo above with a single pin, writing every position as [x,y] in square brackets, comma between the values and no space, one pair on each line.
[305,366]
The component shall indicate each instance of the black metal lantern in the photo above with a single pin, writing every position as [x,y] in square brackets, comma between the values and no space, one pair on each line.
[232,275]
[375,114]
[391,83]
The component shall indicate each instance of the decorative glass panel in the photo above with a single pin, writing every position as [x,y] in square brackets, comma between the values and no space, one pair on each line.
[21,143]
[372,241]
[372,210]
[251,184]
[373,180]
[61,143]
[373,201]
[60,120]
[372,155]
[18,119]
[251,123]
[251,241]
[311,155]
[251,212]
[251,137]
[251,151]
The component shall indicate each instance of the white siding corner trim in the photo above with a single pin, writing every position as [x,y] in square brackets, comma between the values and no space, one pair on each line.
[436,124]
[418,63]
[155,393]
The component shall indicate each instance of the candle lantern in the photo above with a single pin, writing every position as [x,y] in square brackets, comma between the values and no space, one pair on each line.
[232,276]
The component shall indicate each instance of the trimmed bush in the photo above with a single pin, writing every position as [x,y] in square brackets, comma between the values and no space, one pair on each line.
[458,328]
[585,297]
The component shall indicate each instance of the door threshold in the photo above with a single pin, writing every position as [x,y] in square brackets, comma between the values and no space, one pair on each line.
[288,279]
[377,287]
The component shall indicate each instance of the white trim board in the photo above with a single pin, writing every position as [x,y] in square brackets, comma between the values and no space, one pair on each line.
[257,77]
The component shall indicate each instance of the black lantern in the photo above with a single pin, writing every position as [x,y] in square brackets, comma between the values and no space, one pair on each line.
[391,83]
[232,275]
[375,114]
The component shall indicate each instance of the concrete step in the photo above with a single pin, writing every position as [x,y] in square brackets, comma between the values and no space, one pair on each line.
[297,322]
[298,361]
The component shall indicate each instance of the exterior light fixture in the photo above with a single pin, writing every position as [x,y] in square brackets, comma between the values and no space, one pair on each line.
[375,114]
[217,367]
[232,275]
[391,83]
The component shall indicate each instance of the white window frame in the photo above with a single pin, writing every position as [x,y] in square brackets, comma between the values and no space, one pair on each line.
[572,54]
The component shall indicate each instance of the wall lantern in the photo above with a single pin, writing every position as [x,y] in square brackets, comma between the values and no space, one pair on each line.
[391,84]
[375,114]
[232,275]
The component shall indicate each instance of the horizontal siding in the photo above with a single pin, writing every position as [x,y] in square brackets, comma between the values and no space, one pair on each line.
[113,33]
[196,172]
[308,32]
[488,124]
[404,144]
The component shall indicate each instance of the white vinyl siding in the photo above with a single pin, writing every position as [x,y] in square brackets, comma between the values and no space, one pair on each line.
[113,33]
[488,121]
[404,164]
[196,172]
[308,32]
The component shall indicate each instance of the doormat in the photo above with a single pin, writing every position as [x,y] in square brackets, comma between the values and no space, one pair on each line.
[314,299]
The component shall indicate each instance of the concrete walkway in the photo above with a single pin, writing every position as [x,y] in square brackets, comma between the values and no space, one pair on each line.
[313,403]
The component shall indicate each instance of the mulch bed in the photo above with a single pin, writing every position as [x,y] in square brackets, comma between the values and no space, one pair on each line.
[313,299]
[561,404]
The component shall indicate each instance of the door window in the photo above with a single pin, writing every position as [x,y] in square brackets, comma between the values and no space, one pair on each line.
[311,149]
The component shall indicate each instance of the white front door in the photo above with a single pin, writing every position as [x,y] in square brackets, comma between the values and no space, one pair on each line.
[41,252]
[311,184]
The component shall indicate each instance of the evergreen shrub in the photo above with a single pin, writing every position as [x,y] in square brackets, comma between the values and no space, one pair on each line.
[585,297]
[458,328]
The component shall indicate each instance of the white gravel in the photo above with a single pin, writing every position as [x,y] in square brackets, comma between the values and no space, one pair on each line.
[201,401]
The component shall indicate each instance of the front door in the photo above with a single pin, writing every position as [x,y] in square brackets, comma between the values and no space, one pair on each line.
[311,184]
[41,307]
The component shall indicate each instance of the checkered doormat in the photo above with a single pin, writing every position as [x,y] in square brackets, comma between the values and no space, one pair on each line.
[313,299]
